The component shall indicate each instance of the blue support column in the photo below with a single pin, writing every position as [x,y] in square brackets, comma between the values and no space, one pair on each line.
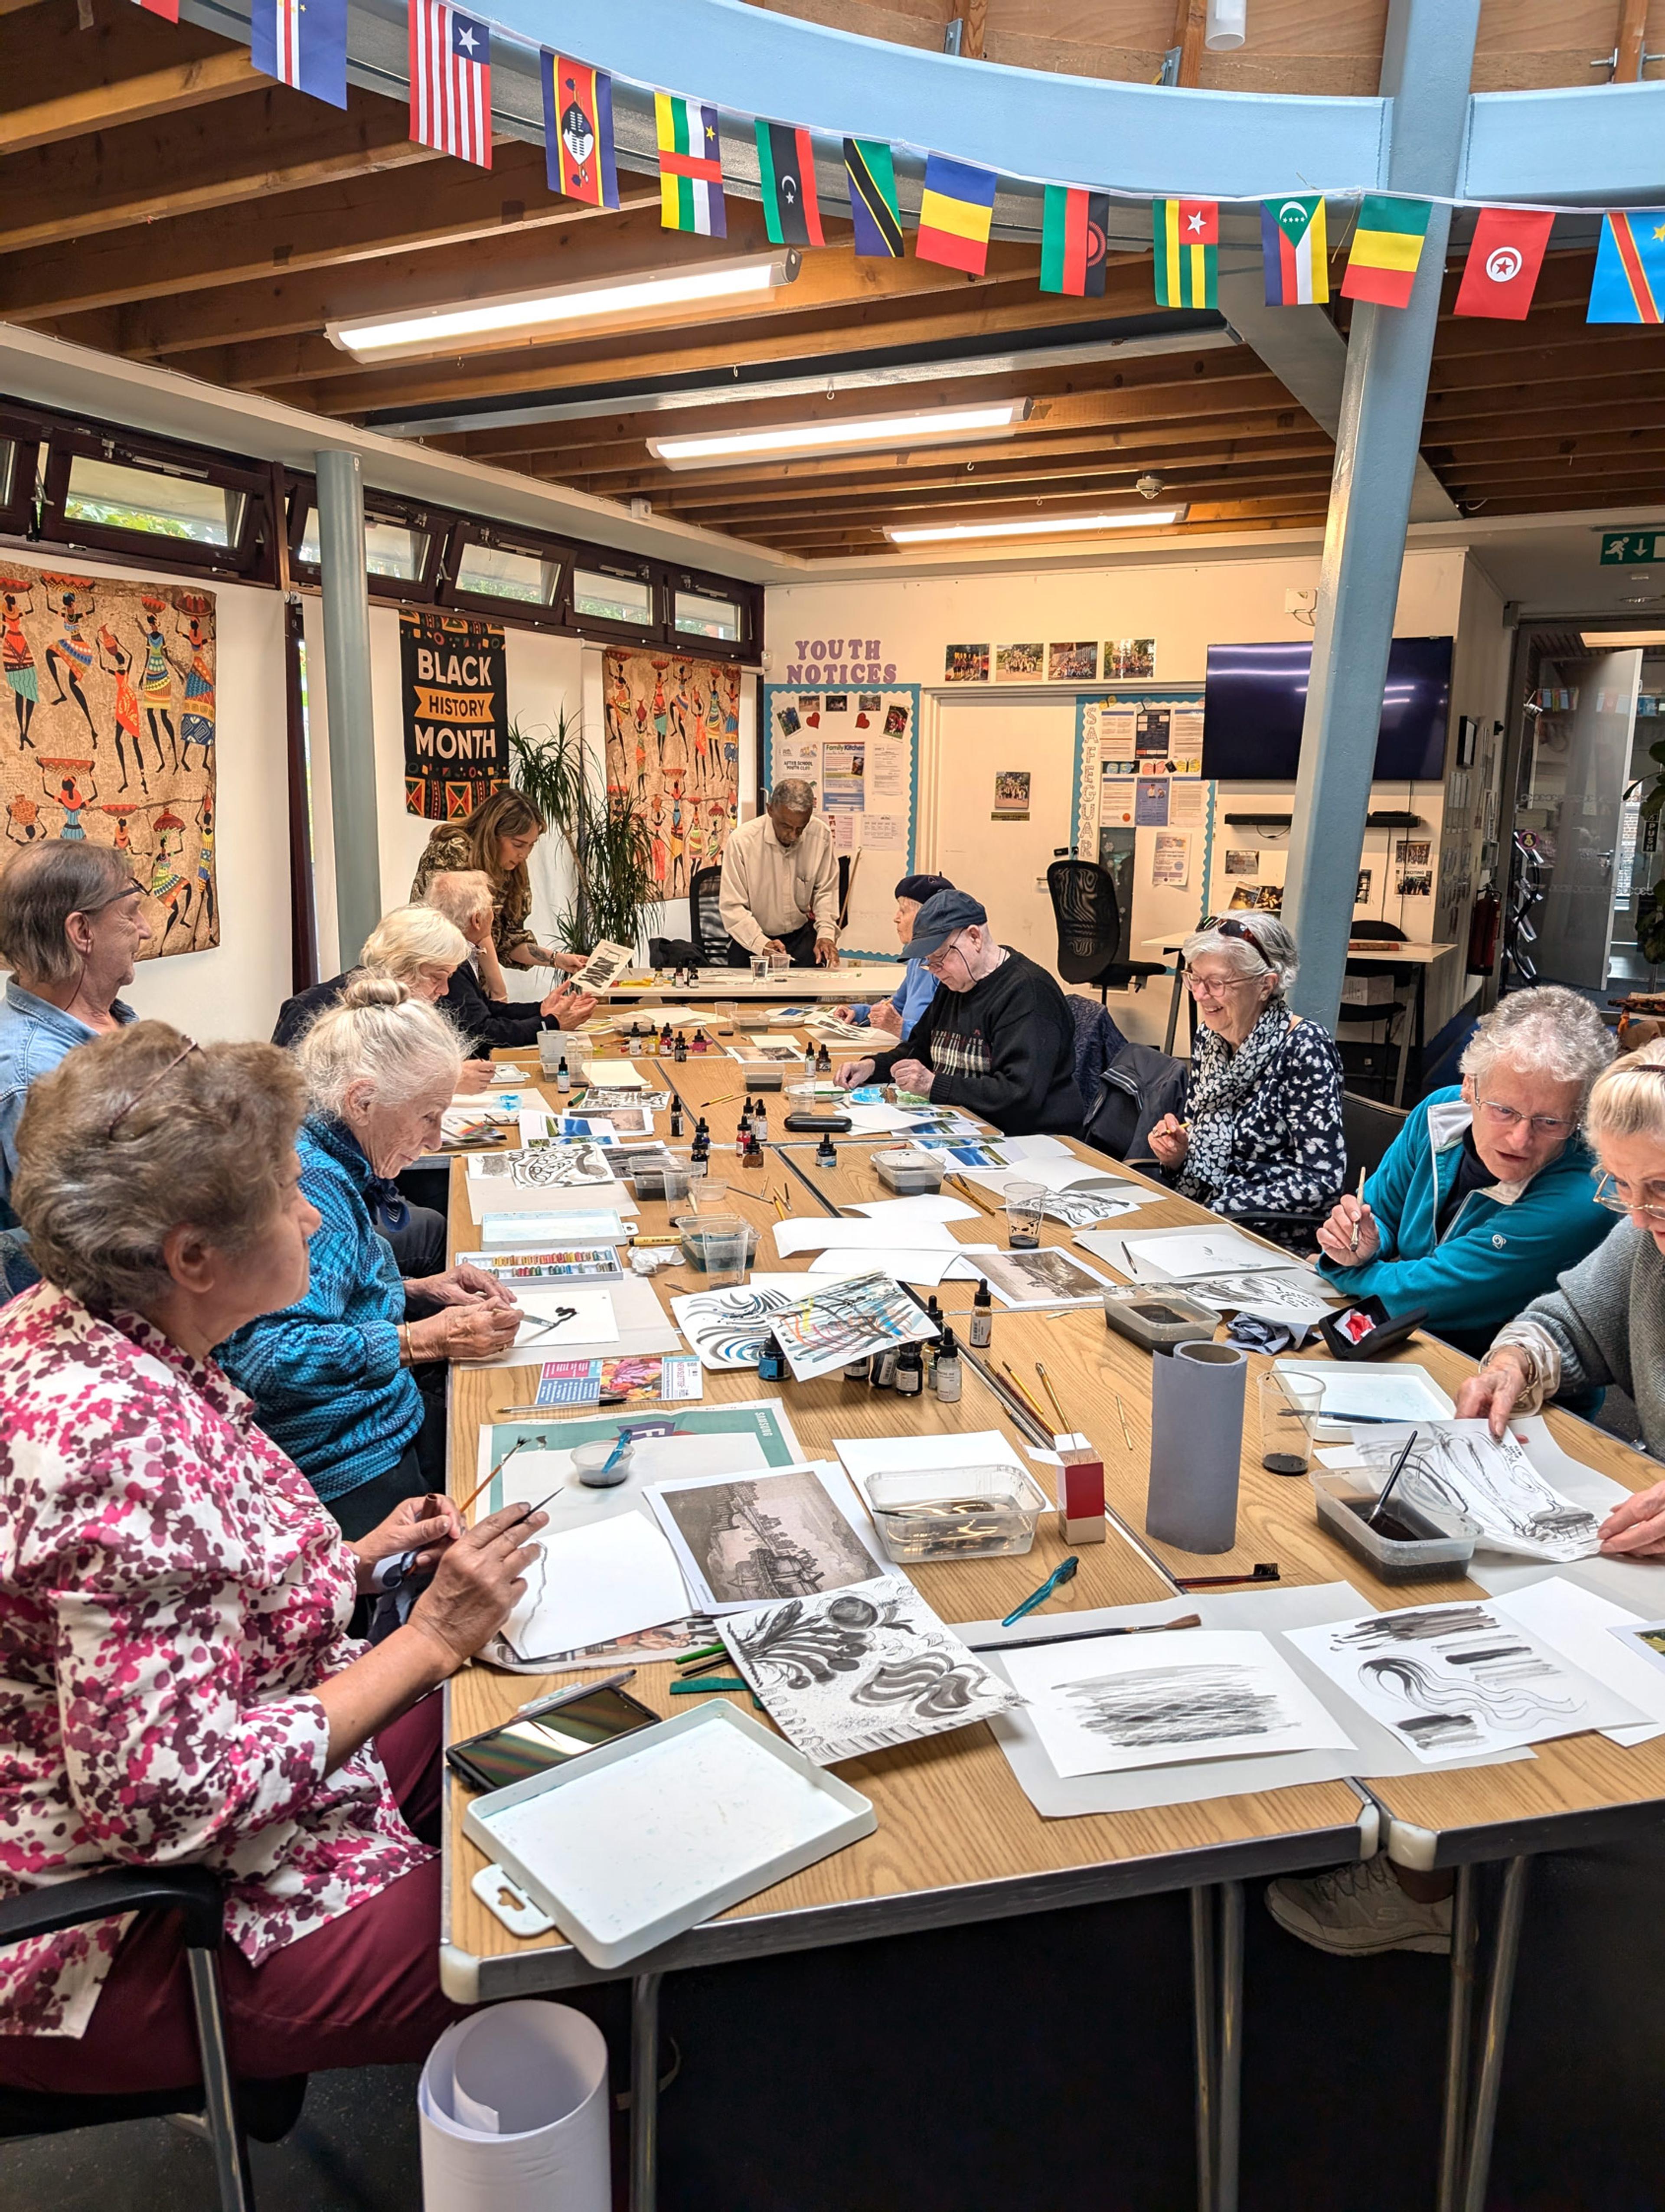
[1425,70]
[347,689]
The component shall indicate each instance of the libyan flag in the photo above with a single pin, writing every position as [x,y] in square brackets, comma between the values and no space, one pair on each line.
[785,170]
[1074,242]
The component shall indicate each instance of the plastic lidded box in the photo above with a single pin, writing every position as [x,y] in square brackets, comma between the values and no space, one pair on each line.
[1345,1498]
[955,1512]
[908,1169]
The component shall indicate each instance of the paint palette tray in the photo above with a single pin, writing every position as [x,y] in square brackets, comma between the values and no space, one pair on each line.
[1428,1548]
[640,1840]
[955,1512]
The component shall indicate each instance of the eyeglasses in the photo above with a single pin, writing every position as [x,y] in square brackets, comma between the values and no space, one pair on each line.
[1607,1194]
[1543,1125]
[122,1112]
[1208,987]
[942,953]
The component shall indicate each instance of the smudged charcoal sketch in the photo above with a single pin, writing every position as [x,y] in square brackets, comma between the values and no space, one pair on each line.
[1080,1207]
[846,1321]
[855,1672]
[1265,1293]
[742,1539]
[546,1167]
[1459,1469]
[1175,1704]
[728,1327]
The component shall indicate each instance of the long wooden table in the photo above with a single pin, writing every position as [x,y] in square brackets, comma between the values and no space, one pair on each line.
[958,1841]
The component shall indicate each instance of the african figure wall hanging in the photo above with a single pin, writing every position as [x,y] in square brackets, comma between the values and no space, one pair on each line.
[673,748]
[107,733]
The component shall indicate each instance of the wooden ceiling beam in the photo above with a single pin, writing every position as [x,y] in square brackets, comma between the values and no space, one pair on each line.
[158,92]
[1292,512]
[1624,352]
[129,66]
[266,142]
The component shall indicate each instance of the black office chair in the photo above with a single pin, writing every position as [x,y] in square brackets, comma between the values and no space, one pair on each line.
[232,2110]
[705,920]
[1377,1060]
[1088,913]
[1369,1128]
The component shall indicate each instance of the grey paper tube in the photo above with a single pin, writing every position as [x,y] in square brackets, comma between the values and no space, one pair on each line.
[1196,1446]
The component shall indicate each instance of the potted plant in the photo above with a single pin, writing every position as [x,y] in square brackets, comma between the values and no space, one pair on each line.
[611,855]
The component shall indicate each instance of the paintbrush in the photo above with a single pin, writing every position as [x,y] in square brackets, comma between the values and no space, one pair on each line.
[1374,1515]
[1034,1404]
[1352,1242]
[519,1445]
[1127,1432]
[1065,1425]
[970,1191]
[557,1320]
[1079,1635]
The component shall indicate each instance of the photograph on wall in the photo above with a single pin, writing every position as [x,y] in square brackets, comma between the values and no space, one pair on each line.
[1019,664]
[1362,893]
[111,735]
[965,663]
[1129,659]
[1412,852]
[673,748]
[1010,796]
[1241,863]
[1257,899]
[1415,883]
[1072,664]
[454,691]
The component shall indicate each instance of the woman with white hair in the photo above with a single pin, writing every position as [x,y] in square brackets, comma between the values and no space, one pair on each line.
[1261,1127]
[415,945]
[331,1375]
[1485,1195]
[475,997]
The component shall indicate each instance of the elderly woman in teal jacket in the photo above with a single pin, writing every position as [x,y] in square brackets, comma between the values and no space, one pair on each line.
[1485,1194]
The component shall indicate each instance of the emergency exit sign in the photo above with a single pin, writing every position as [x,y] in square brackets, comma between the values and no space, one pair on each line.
[1623,549]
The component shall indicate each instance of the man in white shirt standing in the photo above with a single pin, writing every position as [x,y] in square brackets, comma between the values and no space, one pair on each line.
[781,883]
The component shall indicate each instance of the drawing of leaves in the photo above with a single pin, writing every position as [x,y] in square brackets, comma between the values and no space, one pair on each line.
[799,1647]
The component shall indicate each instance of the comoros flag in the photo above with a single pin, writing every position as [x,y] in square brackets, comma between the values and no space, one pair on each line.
[1295,248]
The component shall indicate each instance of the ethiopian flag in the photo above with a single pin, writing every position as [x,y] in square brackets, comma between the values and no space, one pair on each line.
[1295,248]
[690,166]
[1386,249]
[1629,284]
[1187,251]
[955,214]
[1072,241]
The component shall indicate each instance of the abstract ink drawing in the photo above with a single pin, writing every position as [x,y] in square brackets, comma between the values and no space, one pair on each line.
[1458,1470]
[1175,1705]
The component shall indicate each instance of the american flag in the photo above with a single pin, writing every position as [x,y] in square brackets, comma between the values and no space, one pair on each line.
[450,81]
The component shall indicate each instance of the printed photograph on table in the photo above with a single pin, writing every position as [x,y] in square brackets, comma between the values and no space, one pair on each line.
[673,732]
[109,739]
[1075,663]
[965,663]
[1044,1277]
[1129,659]
[1020,664]
[741,1541]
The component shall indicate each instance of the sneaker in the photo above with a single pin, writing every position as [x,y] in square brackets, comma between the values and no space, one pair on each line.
[1359,1910]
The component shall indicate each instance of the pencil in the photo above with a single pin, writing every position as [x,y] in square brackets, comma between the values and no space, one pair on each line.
[1079,1635]
[968,1190]
[1065,1424]
[1034,1405]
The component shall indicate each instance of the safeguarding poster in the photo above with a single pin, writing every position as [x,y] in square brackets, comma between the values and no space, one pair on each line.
[673,748]
[456,712]
[107,734]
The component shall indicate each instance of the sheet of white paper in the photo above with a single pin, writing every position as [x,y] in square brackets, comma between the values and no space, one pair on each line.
[1107,1704]
[880,1121]
[508,1073]
[1462,1475]
[592,1318]
[909,1263]
[570,1226]
[1575,1623]
[906,1214]
[586,1585]
[1392,1392]
[630,1320]
[1171,1256]
[534,1124]
[826,1234]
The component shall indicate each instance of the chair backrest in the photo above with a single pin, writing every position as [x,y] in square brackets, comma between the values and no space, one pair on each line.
[1088,913]
[1369,1128]
[18,1273]
[1382,932]
[1098,1042]
[705,921]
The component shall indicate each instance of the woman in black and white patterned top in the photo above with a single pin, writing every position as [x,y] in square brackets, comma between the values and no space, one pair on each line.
[1263,1126]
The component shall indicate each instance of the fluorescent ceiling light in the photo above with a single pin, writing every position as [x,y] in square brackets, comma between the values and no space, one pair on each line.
[1057,525]
[527,314]
[871,430]
[1619,638]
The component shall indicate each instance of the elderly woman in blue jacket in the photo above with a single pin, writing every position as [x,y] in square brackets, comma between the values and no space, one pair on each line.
[919,985]
[1485,1194]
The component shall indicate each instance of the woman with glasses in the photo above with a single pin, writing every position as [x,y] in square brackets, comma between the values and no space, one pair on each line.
[1603,1324]
[1260,1130]
[1485,1195]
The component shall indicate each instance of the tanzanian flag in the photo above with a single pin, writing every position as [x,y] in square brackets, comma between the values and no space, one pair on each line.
[955,214]
[1295,248]
[1072,241]
[1386,249]
[1187,236]
[690,166]
[873,207]
[785,170]
[1629,284]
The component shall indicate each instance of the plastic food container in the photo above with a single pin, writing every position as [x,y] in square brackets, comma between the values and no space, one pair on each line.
[908,1170]
[956,1512]
[1434,1549]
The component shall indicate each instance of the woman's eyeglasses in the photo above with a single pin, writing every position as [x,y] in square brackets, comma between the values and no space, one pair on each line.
[1543,1125]
[1607,1193]
[160,1075]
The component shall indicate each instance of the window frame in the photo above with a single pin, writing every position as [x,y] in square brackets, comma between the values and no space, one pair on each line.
[504,538]
[625,566]
[748,599]
[252,559]
[436,524]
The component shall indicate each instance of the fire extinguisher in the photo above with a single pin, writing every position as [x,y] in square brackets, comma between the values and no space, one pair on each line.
[1483,922]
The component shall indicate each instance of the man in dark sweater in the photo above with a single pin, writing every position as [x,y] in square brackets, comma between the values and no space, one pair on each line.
[997,1040]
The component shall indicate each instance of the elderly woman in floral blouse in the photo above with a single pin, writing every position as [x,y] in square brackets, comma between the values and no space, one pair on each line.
[175,1681]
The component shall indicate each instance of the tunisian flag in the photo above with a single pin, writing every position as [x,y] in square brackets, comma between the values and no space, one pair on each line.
[1501,273]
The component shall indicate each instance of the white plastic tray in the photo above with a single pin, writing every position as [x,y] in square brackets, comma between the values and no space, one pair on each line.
[641,1840]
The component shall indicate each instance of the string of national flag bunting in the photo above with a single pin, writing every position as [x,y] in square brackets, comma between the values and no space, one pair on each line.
[303,43]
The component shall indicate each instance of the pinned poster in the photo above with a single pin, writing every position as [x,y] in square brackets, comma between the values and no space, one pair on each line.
[1188,803]
[1150,803]
[1170,860]
[1116,795]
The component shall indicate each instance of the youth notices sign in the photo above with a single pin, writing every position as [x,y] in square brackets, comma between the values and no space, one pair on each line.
[456,713]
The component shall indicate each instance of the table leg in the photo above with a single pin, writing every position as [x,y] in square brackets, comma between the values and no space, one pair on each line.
[1202,1992]
[1459,2041]
[1231,2045]
[1499,1996]
[1416,1035]
[644,2092]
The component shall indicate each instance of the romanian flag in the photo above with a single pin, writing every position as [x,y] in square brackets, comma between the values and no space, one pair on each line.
[873,207]
[955,214]
[1386,249]
[785,170]
[1295,248]
[1187,251]
[690,166]
[1629,285]
[578,131]
[1072,241]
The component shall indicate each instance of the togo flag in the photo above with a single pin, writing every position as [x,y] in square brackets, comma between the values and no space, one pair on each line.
[578,131]
[785,170]
[1629,284]
[1386,249]
[874,211]
[1295,247]
[690,166]
[1072,241]
[1187,236]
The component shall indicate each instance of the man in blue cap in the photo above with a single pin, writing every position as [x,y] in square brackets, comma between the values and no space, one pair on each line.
[996,1041]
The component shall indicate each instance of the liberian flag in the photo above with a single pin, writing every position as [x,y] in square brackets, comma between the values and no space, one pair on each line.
[1295,248]
[302,43]
[450,81]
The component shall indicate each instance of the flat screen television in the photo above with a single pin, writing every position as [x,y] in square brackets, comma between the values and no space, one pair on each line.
[1257,694]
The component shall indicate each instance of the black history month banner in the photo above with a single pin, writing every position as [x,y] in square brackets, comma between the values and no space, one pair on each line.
[456,713]
[106,733]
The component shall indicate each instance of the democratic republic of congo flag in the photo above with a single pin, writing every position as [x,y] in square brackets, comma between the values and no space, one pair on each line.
[1295,248]
[955,214]
[1629,284]
[1186,239]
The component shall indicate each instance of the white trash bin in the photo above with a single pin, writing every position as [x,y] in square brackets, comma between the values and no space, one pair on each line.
[514,2111]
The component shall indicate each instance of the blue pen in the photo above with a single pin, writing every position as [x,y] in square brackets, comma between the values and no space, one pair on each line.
[1061,1574]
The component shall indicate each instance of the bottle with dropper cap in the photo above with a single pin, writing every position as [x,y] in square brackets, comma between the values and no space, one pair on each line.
[982,1318]
[743,1130]
[699,1156]
[946,1374]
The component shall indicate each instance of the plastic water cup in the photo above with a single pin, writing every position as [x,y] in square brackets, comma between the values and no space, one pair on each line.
[677,1184]
[1290,1407]
[1024,1202]
[723,1240]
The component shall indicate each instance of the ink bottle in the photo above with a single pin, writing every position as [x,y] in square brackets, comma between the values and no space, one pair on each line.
[808,1056]
[743,1130]
[947,1373]
[753,1155]
[665,1038]
[562,1079]
[771,1360]
[982,1318]
[882,1370]
[822,1060]
[699,1156]
[760,1123]
[701,1042]
[680,1048]
[826,1153]
[676,1118]
[910,1371]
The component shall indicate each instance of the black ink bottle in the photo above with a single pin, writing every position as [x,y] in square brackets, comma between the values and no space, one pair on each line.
[771,1360]
[910,1371]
